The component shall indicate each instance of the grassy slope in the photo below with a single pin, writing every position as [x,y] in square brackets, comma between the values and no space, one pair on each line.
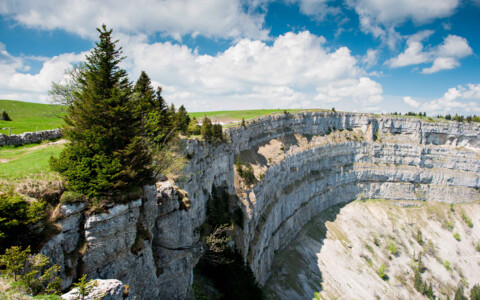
[27,116]
[30,161]
[236,115]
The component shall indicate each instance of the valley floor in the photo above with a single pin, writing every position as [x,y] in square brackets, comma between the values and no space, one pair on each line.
[340,253]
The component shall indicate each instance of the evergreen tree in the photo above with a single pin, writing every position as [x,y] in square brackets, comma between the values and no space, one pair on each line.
[459,293]
[475,292]
[106,154]
[206,130]
[153,111]
[182,119]
[193,127]
[5,116]
[143,96]
[217,132]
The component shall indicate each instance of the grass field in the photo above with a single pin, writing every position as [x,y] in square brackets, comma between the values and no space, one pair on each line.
[237,115]
[27,116]
[29,161]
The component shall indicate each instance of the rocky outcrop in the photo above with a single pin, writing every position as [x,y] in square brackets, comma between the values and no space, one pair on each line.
[29,137]
[303,164]
[108,289]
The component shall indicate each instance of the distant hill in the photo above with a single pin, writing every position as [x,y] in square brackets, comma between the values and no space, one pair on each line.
[27,116]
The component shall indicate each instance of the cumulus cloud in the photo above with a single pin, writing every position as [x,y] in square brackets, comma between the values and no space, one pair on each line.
[414,54]
[444,56]
[411,102]
[210,18]
[381,17]
[463,99]
[318,9]
[15,83]
[297,70]
[371,58]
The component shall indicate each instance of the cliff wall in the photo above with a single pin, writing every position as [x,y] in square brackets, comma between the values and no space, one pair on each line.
[303,164]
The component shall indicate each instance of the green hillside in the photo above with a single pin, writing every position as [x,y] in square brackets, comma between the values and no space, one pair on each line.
[27,116]
[237,115]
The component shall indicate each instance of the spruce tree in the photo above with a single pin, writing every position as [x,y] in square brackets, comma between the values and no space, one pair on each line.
[105,155]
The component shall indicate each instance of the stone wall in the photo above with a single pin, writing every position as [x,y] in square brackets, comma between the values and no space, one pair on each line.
[152,244]
[29,137]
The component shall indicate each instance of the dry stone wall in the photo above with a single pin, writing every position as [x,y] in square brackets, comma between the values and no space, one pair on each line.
[29,137]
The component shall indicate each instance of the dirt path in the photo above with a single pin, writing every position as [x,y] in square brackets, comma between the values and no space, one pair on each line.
[30,150]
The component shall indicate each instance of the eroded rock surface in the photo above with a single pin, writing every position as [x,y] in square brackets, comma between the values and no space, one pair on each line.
[303,164]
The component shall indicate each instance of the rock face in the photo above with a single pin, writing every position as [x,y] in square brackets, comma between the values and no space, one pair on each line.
[109,289]
[303,163]
[29,137]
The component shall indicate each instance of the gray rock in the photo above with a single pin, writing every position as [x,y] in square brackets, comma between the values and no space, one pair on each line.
[416,160]
[109,289]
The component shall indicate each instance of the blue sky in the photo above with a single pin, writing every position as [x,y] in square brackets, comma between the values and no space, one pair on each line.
[355,55]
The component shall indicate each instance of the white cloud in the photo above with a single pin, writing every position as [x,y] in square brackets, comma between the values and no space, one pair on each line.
[318,9]
[411,102]
[444,56]
[371,58]
[361,90]
[381,17]
[414,53]
[460,99]
[211,18]
[296,70]
[16,84]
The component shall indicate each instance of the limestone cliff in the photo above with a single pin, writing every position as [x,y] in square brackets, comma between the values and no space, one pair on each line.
[303,164]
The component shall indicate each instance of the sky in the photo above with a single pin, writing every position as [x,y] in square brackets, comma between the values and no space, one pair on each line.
[354,55]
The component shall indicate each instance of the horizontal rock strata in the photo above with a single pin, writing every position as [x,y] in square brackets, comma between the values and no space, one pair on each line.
[322,159]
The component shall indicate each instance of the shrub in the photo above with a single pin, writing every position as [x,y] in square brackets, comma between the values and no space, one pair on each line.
[477,247]
[449,225]
[5,116]
[381,272]
[456,235]
[467,219]
[31,270]
[447,265]
[475,292]
[72,197]
[17,216]
[392,248]
[419,237]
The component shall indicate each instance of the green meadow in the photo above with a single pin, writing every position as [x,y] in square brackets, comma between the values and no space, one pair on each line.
[27,116]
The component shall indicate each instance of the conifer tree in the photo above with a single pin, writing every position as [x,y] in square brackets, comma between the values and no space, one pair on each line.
[182,119]
[206,130]
[106,155]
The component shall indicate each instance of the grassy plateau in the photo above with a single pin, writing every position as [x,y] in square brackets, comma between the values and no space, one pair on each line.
[27,116]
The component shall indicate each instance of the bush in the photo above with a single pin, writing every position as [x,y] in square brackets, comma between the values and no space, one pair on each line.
[447,265]
[17,217]
[456,235]
[381,272]
[5,116]
[467,219]
[477,247]
[72,197]
[419,237]
[475,292]
[31,270]
[392,248]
